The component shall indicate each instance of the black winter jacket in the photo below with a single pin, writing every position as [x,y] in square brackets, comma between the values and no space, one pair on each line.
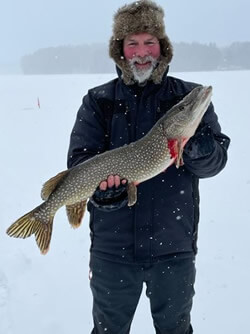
[164,220]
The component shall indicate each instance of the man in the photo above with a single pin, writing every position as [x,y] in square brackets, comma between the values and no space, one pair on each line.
[155,241]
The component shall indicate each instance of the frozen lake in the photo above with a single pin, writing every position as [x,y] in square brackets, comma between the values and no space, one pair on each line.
[50,294]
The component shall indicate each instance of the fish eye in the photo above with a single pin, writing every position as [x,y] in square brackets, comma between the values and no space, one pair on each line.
[181,108]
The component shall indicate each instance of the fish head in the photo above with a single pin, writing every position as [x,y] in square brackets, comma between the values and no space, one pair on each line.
[182,120]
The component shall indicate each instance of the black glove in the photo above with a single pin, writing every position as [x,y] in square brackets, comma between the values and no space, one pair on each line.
[201,144]
[110,199]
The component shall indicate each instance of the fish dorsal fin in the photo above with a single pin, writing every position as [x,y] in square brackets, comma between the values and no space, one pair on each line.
[51,184]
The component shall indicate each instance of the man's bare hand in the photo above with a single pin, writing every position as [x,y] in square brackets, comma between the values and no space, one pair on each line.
[112,180]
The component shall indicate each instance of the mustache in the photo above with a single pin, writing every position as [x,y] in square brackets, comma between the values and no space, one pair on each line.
[143,60]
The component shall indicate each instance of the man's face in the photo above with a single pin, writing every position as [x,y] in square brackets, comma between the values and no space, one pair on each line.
[142,51]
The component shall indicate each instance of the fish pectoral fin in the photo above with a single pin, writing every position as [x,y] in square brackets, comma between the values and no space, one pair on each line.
[51,184]
[180,147]
[179,159]
[132,194]
[30,224]
[75,213]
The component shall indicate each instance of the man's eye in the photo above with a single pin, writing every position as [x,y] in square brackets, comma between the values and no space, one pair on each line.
[150,43]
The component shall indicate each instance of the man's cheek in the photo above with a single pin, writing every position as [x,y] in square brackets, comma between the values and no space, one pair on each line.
[129,53]
[155,51]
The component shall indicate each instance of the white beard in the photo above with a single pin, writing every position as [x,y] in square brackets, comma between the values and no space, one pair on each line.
[142,75]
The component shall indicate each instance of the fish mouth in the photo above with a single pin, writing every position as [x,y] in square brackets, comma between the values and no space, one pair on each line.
[197,104]
[207,92]
[204,94]
[201,97]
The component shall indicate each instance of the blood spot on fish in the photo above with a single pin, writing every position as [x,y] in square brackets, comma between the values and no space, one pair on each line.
[172,146]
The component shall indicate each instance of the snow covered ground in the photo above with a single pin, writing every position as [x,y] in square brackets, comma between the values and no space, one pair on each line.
[50,294]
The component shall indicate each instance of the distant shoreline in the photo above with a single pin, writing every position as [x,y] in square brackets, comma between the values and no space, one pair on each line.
[94,59]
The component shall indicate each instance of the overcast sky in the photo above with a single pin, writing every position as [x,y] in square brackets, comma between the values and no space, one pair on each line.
[27,25]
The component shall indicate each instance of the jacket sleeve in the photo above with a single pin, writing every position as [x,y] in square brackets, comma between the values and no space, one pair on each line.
[88,138]
[205,154]
[88,135]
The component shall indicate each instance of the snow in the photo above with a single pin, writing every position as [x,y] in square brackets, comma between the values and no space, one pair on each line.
[50,294]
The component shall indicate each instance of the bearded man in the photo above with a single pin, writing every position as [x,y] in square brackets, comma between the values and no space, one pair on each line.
[153,242]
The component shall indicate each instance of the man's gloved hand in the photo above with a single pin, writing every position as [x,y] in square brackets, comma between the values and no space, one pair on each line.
[201,144]
[111,194]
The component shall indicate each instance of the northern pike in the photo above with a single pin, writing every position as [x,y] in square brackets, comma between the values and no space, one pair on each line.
[136,162]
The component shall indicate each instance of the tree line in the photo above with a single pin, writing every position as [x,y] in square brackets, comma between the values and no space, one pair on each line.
[94,58]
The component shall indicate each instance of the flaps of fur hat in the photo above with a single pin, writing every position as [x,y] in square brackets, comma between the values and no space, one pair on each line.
[137,17]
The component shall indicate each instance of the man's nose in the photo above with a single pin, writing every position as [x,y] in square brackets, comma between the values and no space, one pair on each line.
[142,51]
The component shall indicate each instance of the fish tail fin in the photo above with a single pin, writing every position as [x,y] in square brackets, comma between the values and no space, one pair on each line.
[75,213]
[34,222]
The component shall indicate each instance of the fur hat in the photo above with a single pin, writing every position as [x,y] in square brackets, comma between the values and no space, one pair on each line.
[137,17]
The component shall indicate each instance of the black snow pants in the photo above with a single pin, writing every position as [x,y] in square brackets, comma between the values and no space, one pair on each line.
[116,289]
